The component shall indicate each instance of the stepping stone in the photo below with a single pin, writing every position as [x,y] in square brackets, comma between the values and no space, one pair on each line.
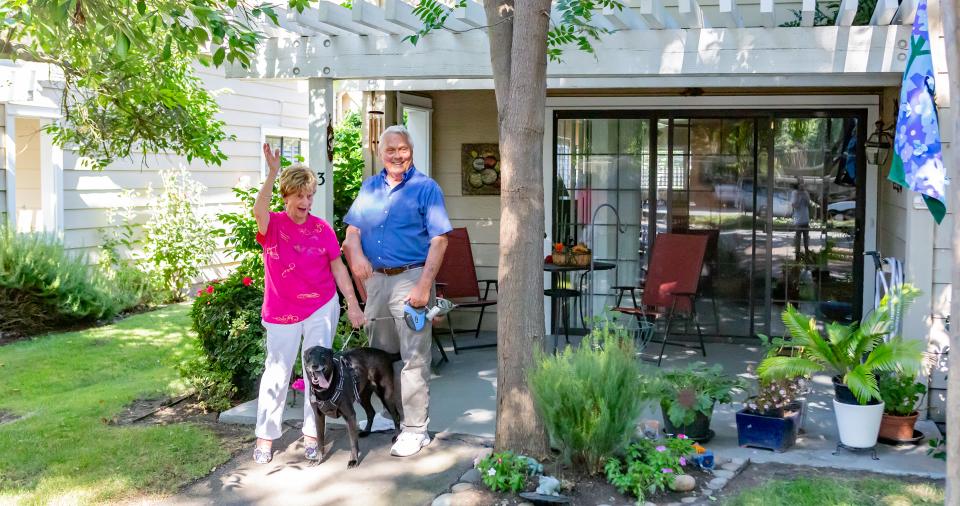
[724,473]
[471,476]
[689,500]
[461,487]
[717,483]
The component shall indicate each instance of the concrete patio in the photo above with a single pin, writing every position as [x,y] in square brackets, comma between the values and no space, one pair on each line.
[463,401]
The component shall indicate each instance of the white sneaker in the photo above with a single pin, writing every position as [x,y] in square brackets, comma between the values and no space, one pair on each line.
[409,443]
[380,424]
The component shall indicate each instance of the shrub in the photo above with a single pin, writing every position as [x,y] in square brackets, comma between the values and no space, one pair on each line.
[119,259]
[178,240]
[590,398]
[44,287]
[504,471]
[226,318]
[650,466]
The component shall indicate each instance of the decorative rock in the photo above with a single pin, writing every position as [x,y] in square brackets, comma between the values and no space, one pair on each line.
[717,483]
[549,486]
[724,473]
[683,483]
[460,487]
[443,500]
[467,498]
[471,476]
[689,500]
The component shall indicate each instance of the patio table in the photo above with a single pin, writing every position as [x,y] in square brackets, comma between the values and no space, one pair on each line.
[556,270]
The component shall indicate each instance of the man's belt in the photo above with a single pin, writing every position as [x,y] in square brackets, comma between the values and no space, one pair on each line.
[393,271]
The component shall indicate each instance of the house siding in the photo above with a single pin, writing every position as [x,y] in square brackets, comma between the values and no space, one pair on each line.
[3,164]
[461,117]
[246,107]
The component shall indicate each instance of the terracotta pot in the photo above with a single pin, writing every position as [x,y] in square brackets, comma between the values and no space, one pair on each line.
[898,428]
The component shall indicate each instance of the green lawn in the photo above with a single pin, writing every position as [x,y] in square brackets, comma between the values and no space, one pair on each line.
[840,492]
[65,386]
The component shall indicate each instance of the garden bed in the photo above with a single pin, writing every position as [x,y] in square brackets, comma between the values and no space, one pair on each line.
[768,484]
[591,490]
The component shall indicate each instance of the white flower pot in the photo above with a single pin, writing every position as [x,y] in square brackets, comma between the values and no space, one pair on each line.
[858,425]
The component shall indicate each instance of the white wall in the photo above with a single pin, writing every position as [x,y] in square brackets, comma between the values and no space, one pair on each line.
[29,216]
[3,168]
[461,117]
[246,106]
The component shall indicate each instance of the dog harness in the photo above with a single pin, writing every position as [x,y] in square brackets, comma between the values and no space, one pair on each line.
[329,406]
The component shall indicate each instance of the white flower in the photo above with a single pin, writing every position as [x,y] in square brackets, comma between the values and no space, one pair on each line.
[491,472]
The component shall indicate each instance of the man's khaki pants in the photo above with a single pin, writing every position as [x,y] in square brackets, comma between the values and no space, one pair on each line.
[385,298]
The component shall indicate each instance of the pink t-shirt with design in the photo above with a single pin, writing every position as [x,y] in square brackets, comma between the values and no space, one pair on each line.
[297,262]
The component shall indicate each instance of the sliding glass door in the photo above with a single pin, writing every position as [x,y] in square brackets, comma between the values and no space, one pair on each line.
[779,194]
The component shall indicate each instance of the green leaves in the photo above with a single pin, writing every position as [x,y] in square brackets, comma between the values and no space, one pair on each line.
[122,63]
[855,352]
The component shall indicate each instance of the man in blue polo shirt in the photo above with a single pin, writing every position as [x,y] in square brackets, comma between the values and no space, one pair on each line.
[394,244]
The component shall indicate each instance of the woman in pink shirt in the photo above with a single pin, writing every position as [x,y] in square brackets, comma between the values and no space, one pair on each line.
[303,270]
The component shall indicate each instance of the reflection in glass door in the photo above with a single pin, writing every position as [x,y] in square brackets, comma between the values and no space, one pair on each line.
[602,174]
[780,196]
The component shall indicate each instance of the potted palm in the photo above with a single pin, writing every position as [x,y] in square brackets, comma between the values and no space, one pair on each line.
[687,397]
[900,393]
[772,418]
[856,353]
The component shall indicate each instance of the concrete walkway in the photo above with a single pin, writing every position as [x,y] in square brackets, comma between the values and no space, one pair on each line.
[379,480]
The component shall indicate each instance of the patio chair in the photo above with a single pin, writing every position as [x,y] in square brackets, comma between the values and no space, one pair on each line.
[457,282]
[671,286]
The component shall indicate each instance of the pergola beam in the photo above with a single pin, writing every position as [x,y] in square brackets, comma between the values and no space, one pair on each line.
[729,11]
[471,14]
[906,13]
[656,16]
[691,14]
[327,13]
[808,12]
[884,11]
[847,12]
[374,17]
[623,19]
[624,54]
[768,14]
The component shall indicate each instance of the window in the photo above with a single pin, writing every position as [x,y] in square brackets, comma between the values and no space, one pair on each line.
[291,148]
[291,142]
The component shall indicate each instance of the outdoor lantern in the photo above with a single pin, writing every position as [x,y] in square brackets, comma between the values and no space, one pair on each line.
[879,144]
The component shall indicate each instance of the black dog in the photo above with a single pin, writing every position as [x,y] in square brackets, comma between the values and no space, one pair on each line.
[337,380]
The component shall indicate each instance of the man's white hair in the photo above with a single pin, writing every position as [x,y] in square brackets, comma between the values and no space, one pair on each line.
[396,129]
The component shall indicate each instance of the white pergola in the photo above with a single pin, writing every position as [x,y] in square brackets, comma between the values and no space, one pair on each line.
[650,44]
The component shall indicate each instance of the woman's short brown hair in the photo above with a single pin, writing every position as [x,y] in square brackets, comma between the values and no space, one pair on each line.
[297,178]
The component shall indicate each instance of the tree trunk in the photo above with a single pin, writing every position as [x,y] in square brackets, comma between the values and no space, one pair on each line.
[518,56]
[951,34]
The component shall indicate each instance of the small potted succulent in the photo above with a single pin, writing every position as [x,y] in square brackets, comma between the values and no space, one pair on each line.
[772,419]
[900,393]
[687,397]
